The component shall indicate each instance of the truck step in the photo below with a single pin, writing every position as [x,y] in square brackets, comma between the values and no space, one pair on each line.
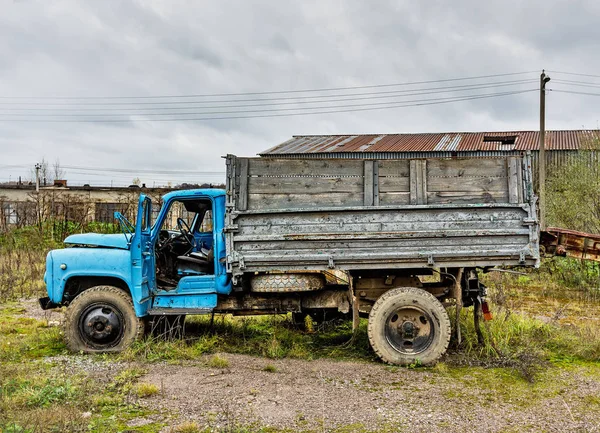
[177,311]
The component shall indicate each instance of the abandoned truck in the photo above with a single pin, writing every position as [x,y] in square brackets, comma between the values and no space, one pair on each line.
[397,241]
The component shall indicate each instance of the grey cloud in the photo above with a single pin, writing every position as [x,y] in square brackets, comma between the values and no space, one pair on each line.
[74,48]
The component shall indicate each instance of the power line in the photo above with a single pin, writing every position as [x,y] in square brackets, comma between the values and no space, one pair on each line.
[575,93]
[330,89]
[370,107]
[129,171]
[575,73]
[577,83]
[204,113]
[146,178]
[85,105]
[295,100]
[140,171]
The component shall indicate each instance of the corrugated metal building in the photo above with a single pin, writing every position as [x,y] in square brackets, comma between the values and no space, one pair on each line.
[560,145]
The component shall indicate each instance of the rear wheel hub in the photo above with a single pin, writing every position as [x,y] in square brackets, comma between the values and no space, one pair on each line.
[409,330]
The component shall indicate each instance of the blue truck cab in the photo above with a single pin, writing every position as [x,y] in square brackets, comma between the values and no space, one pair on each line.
[147,270]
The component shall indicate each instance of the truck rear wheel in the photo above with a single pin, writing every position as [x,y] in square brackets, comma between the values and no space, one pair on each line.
[101,319]
[409,326]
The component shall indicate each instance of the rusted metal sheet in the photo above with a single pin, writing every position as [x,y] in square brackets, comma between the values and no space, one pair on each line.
[434,142]
[571,243]
[446,213]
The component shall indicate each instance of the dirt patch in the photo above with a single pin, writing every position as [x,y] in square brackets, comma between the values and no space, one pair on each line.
[30,307]
[326,394]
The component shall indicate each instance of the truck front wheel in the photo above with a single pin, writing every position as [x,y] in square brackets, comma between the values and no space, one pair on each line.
[409,326]
[101,319]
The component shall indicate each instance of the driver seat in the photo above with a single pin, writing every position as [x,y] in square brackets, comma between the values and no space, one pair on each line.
[196,263]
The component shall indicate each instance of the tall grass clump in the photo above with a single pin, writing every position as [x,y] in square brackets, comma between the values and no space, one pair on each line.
[23,254]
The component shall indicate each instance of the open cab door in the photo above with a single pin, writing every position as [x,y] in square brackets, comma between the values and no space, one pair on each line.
[142,252]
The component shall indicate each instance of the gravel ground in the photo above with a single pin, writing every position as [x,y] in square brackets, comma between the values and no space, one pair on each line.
[326,394]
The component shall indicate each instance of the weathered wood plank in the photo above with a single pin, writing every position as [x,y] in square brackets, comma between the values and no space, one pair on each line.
[243,187]
[375,183]
[394,184]
[296,201]
[408,215]
[413,182]
[306,167]
[428,226]
[466,167]
[418,181]
[392,244]
[304,185]
[467,184]
[368,183]
[445,197]
[520,184]
[371,236]
[424,182]
[394,168]
[390,198]
[513,180]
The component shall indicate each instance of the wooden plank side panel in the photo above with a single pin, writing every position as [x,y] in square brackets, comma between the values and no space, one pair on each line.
[394,168]
[304,185]
[394,198]
[460,197]
[467,181]
[300,201]
[493,167]
[513,180]
[467,184]
[394,184]
[382,238]
[243,184]
[305,167]
[368,183]
[418,181]
[520,184]
[408,216]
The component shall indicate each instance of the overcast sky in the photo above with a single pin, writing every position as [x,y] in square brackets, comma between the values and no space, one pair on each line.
[150,48]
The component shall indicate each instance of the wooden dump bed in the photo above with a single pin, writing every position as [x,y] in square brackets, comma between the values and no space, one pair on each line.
[289,214]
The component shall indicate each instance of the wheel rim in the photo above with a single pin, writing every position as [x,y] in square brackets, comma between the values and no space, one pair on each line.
[409,330]
[101,325]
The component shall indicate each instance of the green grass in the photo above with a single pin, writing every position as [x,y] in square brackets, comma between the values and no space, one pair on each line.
[270,368]
[144,390]
[273,337]
[39,394]
[217,361]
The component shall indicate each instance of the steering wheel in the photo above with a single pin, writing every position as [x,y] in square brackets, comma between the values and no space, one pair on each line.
[182,226]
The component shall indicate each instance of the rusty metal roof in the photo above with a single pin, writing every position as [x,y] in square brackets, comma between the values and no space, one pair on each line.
[436,142]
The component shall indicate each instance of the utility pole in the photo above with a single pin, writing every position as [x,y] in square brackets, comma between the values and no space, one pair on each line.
[542,153]
[37,177]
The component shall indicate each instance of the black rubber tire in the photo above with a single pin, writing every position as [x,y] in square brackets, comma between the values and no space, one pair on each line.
[285,283]
[409,297]
[119,300]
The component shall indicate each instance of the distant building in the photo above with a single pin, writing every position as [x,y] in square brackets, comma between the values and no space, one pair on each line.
[20,205]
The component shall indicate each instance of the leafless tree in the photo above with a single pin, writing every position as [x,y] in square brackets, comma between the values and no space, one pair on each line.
[57,171]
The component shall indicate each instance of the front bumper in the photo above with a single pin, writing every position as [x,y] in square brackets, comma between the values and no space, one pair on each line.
[47,304]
